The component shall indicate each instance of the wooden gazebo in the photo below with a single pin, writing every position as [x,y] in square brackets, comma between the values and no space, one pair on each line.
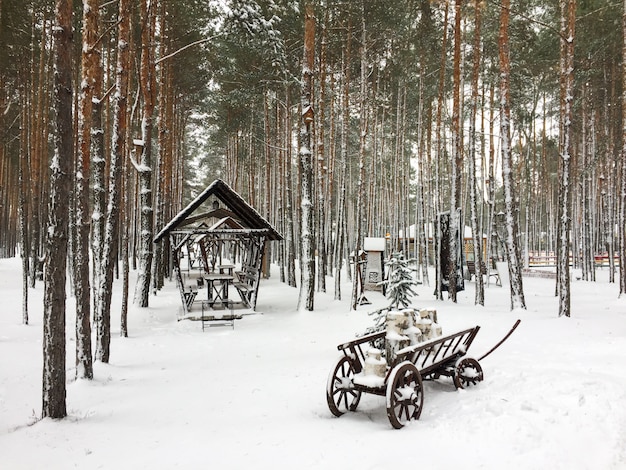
[216,221]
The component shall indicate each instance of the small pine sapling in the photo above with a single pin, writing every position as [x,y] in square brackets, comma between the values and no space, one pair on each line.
[399,285]
[399,282]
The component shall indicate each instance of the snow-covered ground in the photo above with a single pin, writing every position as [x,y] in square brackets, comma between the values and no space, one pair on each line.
[253,397]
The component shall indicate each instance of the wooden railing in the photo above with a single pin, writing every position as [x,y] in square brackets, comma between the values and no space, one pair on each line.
[548,258]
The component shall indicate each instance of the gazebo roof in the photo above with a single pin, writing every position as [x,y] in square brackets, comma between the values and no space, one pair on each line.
[238,210]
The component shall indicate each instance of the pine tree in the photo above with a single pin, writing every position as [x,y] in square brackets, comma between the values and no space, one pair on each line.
[57,234]
[515,269]
[111,219]
[568,11]
[90,66]
[400,281]
[148,87]
[474,195]
[622,192]
[307,285]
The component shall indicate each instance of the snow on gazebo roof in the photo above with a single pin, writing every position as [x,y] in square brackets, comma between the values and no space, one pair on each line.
[237,209]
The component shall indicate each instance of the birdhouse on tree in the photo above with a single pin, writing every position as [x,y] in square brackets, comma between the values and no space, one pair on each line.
[308,114]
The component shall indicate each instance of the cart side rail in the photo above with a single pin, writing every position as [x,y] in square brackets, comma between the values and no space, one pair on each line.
[432,354]
[354,349]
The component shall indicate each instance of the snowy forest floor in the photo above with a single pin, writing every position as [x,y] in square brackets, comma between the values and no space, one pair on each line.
[253,397]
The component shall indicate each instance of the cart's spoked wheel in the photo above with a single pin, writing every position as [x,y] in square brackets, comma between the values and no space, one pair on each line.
[467,371]
[340,393]
[405,394]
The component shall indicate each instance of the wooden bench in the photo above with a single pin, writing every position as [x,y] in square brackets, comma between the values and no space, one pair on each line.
[539,273]
[244,291]
[471,268]
[216,318]
[245,282]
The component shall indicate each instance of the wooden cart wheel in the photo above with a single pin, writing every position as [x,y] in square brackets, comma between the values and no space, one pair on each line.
[340,393]
[405,394]
[467,371]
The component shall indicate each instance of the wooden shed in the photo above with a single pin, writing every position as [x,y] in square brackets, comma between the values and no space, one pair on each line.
[219,227]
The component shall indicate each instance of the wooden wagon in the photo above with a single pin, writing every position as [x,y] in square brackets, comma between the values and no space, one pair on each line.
[402,384]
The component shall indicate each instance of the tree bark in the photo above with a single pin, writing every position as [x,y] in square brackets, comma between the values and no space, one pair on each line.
[515,268]
[307,227]
[110,245]
[568,11]
[23,211]
[622,192]
[289,212]
[54,391]
[340,235]
[90,65]
[321,167]
[147,79]
[479,298]
[357,280]
[440,147]
[456,224]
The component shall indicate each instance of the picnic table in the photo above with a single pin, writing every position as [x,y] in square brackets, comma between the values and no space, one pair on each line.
[217,287]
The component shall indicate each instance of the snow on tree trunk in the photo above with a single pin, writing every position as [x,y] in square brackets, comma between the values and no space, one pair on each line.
[515,268]
[289,221]
[307,285]
[103,308]
[476,233]
[147,78]
[23,221]
[340,235]
[622,197]
[54,405]
[90,65]
[440,149]
[568,10]
[321,169]
[165,128]
[121,128]
[456,224]
[357,281]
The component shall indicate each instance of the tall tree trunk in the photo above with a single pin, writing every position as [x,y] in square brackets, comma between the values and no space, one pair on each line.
[307,228]
[267,257]
[340,235]
[90,65]
[440,147]
[109,251]
[165,129]
[456,224]
[515,268]
[147,78]
[622,192]
[39,126]
[322,183]
[289,216]
[54,405]
[568,12]
[422,217]
[23,209]
[473,190]
[492,242]
[357,281]
[98,166]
